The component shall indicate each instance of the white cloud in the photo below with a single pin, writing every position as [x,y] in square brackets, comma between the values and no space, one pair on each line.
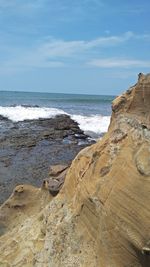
[51,53]
[60,48]
[118,63]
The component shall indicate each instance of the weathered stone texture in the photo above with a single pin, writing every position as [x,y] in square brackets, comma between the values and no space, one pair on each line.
[101,217]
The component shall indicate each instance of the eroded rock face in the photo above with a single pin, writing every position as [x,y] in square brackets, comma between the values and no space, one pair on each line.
[101,217]
[142,159]
[135,101]
[56,178]
[24,201]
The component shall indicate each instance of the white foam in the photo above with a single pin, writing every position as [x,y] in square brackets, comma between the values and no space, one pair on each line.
[20,113]
[95,123]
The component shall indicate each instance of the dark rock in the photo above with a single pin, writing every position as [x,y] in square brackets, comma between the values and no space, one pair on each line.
[3,118]
[28,148]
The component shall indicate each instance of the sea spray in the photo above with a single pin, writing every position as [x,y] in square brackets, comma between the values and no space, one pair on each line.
[96,124]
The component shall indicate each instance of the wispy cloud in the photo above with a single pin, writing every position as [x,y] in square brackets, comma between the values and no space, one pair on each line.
[52,53]
[118,63]
[61,48]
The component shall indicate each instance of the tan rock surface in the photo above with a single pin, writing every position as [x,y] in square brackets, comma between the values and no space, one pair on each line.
[56,178]
[101,217]
[25,201]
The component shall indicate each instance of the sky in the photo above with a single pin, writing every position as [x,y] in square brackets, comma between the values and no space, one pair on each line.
[73,46]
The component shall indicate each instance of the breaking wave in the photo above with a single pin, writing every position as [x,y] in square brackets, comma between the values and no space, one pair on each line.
[96,124]
[93,124]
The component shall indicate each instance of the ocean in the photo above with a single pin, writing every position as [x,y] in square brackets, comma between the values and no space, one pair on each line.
[92,112]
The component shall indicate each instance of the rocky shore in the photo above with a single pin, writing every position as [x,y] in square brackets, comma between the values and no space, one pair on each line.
[101,216]
[29,148]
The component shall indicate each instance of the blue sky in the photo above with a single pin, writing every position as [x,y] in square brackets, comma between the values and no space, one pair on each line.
[80,46]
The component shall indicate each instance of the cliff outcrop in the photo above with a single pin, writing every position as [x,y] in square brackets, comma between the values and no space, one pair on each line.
[101,216]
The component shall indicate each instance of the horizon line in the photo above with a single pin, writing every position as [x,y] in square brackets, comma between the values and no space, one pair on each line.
[45,92]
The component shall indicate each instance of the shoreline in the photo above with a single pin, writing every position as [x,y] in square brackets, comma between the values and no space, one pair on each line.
[29,148]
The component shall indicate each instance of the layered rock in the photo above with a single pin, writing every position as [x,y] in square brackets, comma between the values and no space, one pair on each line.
[101,217]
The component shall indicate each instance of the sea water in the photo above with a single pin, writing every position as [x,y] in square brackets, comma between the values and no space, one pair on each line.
[92,112]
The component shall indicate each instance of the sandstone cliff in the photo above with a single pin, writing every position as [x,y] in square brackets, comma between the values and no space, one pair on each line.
[101,217]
